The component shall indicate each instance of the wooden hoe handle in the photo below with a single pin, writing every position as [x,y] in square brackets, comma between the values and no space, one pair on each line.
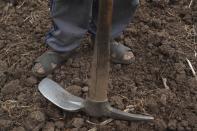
[100,65]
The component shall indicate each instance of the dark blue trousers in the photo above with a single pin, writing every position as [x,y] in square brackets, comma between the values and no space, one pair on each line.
[73,18]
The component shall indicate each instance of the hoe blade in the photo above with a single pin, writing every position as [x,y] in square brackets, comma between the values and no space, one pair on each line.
[60,97]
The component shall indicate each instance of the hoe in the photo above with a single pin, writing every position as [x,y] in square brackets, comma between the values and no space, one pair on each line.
[96,104]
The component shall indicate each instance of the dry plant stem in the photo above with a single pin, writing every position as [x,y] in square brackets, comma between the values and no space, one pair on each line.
[190,4]
[165,83]
[192,68]
[19,6]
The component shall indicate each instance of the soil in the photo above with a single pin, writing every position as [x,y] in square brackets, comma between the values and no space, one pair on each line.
[161,37]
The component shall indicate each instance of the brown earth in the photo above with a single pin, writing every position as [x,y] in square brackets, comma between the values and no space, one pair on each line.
[162,37]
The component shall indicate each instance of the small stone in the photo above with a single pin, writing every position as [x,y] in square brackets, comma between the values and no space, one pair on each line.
[49,127]
[118,66]
[149,54]
[192,118]
[160,125]
[3,65]
[37,116]
[75,90]
[117,100]
[181,129]
[192,83]
[85,89]
[163,99]
[73,129]
[77,81]
[121,125]
[78,122]
[134,126]
[150,46]
[86,82]
[188,129]
[184,123]
[156,23]
[21,97]
[59,124]
[38,127]
[179,67]
[2,44]
[195,128]
[180,78]
[75,64]
[152,105]
[127,40]
[35,121]
[50,76]
[18,129]
[5,123]
[31,81]
[11,87]
[53,112]
[83,129]
[69,62]
[172,125]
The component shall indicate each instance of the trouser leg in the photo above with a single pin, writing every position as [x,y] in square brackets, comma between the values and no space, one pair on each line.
[71,20]
[123,13]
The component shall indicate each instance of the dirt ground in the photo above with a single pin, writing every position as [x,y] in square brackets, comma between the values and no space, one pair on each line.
[162,36]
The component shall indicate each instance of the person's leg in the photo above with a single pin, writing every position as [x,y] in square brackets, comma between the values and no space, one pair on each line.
[71,19]
[70,23]
[122,15]
[124,11]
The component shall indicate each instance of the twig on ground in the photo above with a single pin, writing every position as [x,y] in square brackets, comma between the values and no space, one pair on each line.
[19,6]
[31,18]
[165,83]
[192,68]
[190,4]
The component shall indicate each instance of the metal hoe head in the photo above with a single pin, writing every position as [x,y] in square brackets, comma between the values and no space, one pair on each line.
[68,102]
[60,97]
